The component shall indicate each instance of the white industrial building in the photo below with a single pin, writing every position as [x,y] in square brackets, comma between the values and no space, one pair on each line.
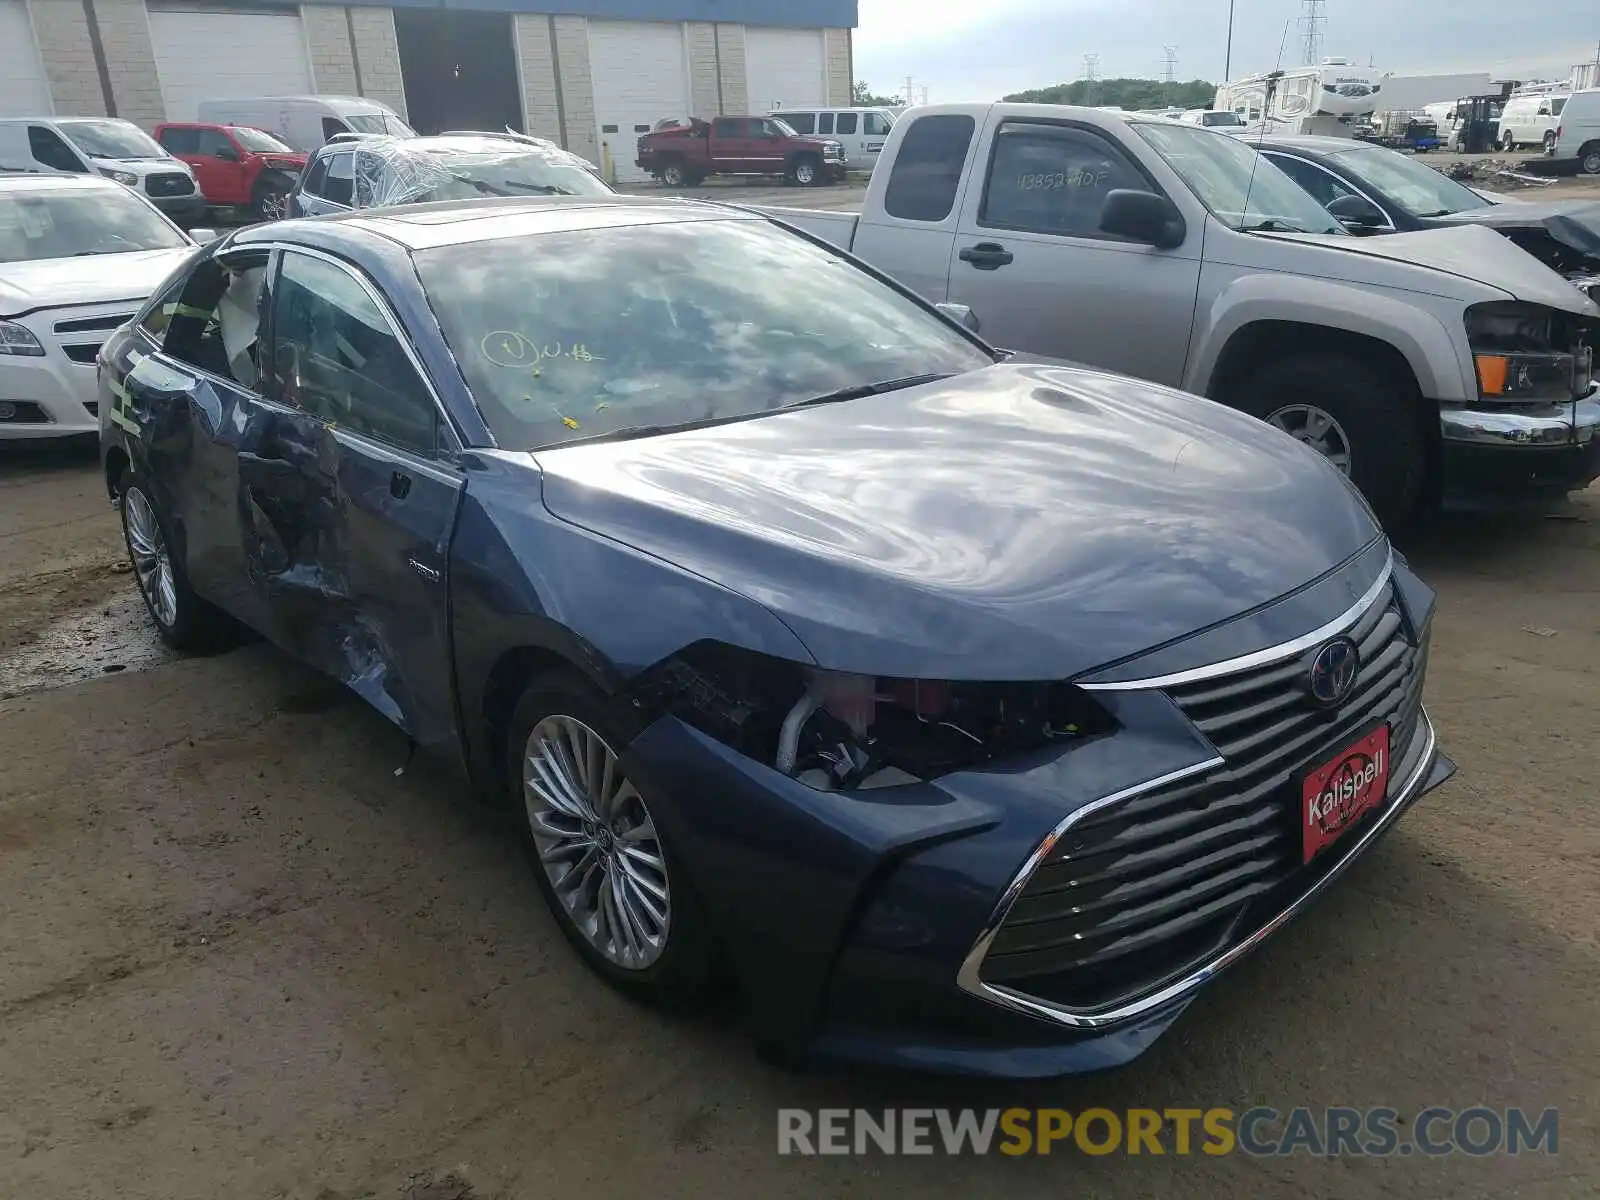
[593,76]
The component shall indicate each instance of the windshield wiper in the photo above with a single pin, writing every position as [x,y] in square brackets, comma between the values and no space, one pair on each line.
[859,390]
[1273,225]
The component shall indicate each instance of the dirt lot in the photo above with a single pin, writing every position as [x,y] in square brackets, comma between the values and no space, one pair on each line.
[242,957]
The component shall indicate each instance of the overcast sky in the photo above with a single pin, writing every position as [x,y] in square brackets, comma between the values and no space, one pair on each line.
[981,49]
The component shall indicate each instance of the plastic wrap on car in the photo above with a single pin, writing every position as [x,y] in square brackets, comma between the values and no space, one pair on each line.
[389,171]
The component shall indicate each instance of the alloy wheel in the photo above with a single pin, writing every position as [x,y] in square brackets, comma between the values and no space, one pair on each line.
[1317,429]
[152,564]
[274,206]
[672,176]
[804,174]
[596,842]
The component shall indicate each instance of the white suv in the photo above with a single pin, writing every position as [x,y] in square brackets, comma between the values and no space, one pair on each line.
[78,256]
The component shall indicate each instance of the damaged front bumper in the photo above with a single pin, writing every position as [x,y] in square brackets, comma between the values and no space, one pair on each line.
[1493,457]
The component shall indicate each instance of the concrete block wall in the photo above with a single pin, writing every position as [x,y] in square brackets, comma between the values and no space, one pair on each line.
[841,81]
[541,114]
[131,61]
[705,94]
[377,56]
[62,31]
[577,86]
[333,66]
[735,84]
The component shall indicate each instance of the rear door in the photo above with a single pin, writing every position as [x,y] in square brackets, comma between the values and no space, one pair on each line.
[1031,262]
[364,507]
[730,148]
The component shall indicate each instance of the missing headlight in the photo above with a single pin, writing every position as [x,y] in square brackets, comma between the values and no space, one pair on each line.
[838,732]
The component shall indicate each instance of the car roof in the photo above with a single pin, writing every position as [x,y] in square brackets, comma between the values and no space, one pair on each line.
[458,222]
[1310,143]
[45,182]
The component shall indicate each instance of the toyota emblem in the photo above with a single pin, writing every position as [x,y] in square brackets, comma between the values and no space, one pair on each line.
[1333,672]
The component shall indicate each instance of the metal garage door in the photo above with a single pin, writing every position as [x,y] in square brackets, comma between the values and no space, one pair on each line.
[23,90]
[784,68]
[215,55]
[640,76]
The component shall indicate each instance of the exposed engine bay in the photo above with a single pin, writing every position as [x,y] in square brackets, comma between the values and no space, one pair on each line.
[839,732]
[1563,235]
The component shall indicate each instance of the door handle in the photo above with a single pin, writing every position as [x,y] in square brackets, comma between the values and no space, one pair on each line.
[399,485]
[986,256]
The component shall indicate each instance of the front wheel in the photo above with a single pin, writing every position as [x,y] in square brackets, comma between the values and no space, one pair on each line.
[271,200]
[805,172]
[1507,142]
[674,176]
[183,620]
[1362,420]
[614,885]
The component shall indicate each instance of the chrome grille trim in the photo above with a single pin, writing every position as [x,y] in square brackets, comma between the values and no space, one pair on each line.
[968,975]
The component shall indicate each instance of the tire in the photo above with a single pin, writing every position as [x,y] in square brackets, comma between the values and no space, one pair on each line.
[1507,142]
[271,199]
[673,175]
[806,172]
[182,619]
[1372,412]
[1550,142]
[1589,159]
[681,965]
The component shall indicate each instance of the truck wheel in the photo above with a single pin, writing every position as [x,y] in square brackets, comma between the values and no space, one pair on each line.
[806,172]
[271,199]
[674,176]
[1507,142]
[1361,418]
[1589,159]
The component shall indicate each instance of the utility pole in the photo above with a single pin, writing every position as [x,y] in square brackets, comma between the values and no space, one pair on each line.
[1227,54]
[1169,64]
[1091,75]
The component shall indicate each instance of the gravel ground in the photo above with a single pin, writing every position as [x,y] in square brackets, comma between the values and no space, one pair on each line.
[245,955]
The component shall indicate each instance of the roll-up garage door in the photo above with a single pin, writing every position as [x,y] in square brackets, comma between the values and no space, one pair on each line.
[217,55]
[23,90]
[640,77]
[784,68]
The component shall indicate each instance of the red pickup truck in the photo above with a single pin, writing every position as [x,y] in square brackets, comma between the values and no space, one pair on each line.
[235,166]
[681,154]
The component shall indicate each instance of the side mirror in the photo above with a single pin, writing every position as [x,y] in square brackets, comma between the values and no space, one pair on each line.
[1143,217]
[204,237]
[962,314]
[1357,212]
[227,154]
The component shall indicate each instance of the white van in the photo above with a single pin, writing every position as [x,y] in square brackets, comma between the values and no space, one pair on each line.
[306,122]
[107,146]
[1531,121]
[861,131]
[1578,136]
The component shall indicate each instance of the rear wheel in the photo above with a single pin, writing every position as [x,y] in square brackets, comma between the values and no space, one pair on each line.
[613,883]
[1360,418]
[1507,142]
[1550,142]
[1589,159]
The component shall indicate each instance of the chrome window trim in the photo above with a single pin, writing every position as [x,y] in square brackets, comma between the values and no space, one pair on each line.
[1343,181]
[968,979]
[1259,658]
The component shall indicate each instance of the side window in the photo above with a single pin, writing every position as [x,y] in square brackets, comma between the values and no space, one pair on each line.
[331,126]
[874,124]
[728,127]
[824,122]
[180,141]
[1323,187]
[1051,179]
[161,311]
[47,147]
[337,357]
[764,129]
[211,141]
[216,322]
[340,185]
[317,175]
[927,168]
[802,122]
[847,123]
[1557,105]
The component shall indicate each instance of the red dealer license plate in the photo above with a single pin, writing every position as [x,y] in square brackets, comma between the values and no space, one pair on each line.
[1342,790]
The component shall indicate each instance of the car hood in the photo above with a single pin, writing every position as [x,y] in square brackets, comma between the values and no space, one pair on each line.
[1017,522]
[92,279]
[143,165]
[1575,223]
[1476,253]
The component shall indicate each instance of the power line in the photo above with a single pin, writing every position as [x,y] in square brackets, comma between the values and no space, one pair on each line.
[1169,64]
[1312,19]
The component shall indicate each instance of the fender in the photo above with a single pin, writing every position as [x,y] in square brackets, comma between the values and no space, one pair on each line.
[1436,354]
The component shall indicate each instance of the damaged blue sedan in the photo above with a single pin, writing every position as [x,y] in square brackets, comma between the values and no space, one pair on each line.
[965,713]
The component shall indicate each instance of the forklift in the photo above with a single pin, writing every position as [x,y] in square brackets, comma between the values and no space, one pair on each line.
[1477,124]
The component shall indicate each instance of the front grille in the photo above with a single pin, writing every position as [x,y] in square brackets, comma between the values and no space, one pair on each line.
[82,353]
[168,183]
[93,324]
[1139,893]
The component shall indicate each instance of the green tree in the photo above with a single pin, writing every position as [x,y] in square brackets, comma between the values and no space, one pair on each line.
[1125,93]
[863,97]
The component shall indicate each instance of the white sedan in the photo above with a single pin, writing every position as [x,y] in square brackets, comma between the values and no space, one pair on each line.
[78,256]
